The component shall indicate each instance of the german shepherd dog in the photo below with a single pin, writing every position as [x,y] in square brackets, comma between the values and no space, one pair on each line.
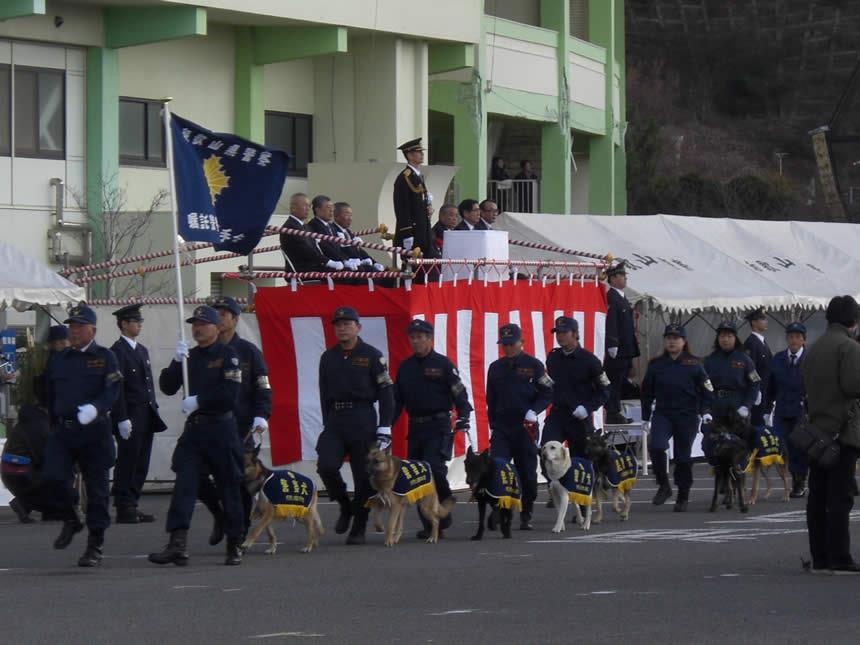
[759,470]
[383,468]
[732,445]
[256,474]
[598,452]
[480,469]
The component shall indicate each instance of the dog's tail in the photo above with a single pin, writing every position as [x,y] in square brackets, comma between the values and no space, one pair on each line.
[444,508]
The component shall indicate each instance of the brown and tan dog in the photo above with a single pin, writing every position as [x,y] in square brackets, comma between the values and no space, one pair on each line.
[399,484]
[297,490]
[768,451]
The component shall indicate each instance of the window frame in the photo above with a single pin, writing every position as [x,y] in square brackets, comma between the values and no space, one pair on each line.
[7,92]
[38,153]
[293,171]
[146,161]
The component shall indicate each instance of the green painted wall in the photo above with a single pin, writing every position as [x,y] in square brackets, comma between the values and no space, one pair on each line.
[249,102]
[21,8]
[102,124]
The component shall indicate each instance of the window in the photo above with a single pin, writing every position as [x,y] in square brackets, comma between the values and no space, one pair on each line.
[292,133]
[40,114]
[5,110]
[141,133]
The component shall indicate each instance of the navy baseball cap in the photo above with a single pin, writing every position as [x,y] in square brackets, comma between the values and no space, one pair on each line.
[728,325]
[82,315]
[675,330]
[345,313]
[756,314]
[229,304]
[565,323]
[509,334]
[419,326]
[796,328]
[130,313]
[58,332]
[204,314]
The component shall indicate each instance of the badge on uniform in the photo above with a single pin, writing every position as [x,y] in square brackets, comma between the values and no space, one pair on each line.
[579,481]
[289,492]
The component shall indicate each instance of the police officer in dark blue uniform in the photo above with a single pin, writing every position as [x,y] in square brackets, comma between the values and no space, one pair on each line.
[518,390]
[756,346]
[81,384]
[353,376]
[210,441]
[427,387]
[622,346]
[786,390]
[580,388]
[253,409]
[135,418]
[676,382]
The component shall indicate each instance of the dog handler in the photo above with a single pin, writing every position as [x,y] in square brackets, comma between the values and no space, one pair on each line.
[353,376]
[428,386]
[678,387]
[209,441]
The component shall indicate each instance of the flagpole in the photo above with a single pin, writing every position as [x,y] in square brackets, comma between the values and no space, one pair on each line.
[180,299]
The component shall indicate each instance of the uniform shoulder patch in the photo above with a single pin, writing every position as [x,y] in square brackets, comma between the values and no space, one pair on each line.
[754,377]
[708,385]
[604,380]
[234,361]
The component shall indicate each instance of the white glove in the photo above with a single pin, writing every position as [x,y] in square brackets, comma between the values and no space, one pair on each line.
[612,351]
[358,240]
[259,424]
[768,420]
[743,412]
[181,351]
[366,262]
[646,426]
[408,242]
[758,398]
[124,428]
[352,264]
[707,419]
[378,267]
[531,417]
[87,413]
[580,412]
[190,405]
[383,437]
[335,265]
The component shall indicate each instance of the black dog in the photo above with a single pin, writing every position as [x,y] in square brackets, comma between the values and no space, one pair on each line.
[480,471]
[731,446]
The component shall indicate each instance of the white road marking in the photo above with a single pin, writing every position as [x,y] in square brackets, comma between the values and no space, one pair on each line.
[229,590]
[598,593]
[181,587]
[711,536]
[293,634]
[730,575]
[787,517]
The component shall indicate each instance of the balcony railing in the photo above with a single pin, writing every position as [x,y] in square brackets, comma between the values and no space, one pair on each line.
[515,195]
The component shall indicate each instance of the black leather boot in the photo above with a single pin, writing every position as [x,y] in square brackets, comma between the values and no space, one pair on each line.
[71,527]
[175,552]
[683,499]
[234,553]
[345,517]
[798,487]
[127,515]
[356,534]
[92,556]
[217,533]
[664,491]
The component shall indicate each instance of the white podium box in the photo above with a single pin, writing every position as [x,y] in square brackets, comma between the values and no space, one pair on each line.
[475,245]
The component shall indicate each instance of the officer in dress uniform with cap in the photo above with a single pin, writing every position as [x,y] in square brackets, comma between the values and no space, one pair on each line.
[580,388]
[427,387]
[253,409]
[352,376]
[209,441]
[82,383]
[518,390]
[412,207]
[787,392]
[679,388]
[756,346]
[622,345]
[135,417]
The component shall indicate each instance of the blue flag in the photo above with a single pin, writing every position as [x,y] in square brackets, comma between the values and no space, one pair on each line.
[226,187]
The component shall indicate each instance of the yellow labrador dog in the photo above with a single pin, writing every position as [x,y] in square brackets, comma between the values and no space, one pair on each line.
[399,484]
[559,468]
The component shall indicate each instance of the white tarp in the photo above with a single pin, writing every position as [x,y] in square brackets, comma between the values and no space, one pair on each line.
[696,263]
[25,281]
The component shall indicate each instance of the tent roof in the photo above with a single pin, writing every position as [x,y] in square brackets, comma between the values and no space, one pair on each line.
[25,281]
[690,263]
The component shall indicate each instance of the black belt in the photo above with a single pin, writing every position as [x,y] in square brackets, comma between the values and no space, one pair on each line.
[435,416]
[349,405]
[68,423]
[724,394]
[199,417]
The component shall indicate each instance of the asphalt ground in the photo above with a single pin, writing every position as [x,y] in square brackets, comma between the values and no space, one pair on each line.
[661,577]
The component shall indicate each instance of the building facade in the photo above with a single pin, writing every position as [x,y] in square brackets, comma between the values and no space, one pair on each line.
[337,83]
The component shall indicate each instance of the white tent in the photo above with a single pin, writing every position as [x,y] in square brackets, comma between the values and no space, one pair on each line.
[682,264]
[25,282]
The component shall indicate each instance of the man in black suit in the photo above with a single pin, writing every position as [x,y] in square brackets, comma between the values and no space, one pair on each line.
[303,253]
[412,203]
[447,222]
[756,346]
[622,346]
[323,222]
[340,226]
[135,418]
[470,211]
[489,213]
